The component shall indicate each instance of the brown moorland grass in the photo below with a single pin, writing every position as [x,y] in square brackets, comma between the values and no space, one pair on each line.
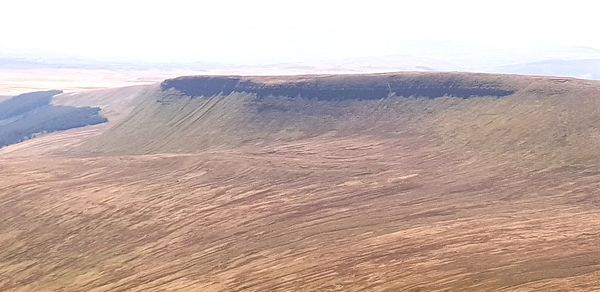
[398,194]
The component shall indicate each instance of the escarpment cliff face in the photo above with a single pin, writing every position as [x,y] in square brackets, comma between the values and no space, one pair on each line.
[499,115]
[341,87]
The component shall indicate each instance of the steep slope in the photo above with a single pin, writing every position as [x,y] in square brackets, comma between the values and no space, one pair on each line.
[253,184]
[25,116]
[23,103]
[115,104]
[496,114]
[233,111]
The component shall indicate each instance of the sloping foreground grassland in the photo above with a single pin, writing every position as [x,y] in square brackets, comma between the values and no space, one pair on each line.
[241,192]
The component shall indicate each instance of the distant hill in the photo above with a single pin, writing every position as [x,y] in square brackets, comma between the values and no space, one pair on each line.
[27,115]
[584,65]
[76,63]
[587,69]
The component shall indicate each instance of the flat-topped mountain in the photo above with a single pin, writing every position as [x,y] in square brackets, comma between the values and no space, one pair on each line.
[504,114]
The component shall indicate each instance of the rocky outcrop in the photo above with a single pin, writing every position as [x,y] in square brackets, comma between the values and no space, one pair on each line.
[341,87]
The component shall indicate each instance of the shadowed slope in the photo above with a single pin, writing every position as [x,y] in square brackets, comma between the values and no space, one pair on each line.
[115,104]
[23,103]
[340,87]
[28,115]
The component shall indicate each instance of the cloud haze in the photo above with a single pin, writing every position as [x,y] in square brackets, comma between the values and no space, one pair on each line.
[253,32]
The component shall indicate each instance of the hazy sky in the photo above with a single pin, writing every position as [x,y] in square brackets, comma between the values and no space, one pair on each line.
[278,31]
